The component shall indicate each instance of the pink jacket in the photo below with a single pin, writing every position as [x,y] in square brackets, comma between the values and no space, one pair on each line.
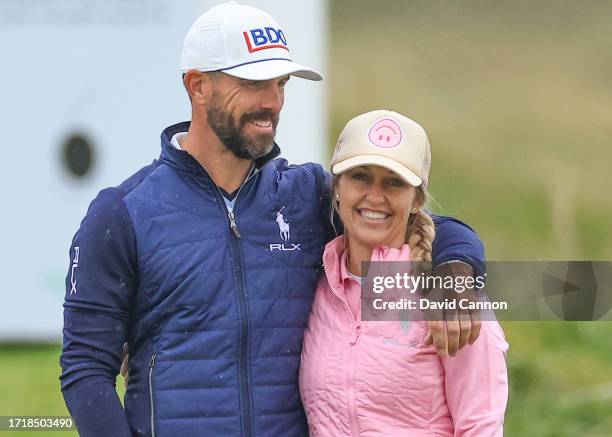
[361,378]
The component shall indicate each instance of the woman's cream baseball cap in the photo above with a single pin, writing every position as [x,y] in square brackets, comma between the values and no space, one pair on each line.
[387,139]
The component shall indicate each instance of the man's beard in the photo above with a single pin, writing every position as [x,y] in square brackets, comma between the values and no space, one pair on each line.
[230,133]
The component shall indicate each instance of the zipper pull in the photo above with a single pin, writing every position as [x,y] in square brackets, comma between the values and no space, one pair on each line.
[233,225]
[356,332]
[152,362]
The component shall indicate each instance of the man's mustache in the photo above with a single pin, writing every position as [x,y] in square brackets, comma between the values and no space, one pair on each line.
[259,115]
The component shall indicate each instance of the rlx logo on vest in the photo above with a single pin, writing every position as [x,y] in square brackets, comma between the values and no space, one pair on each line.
[285,235]
[266,38]
[75,264]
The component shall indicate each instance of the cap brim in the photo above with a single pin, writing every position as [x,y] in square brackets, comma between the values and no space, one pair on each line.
[271,69]
[382,161]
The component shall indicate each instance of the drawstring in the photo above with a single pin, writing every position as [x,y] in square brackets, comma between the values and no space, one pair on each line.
[356,332]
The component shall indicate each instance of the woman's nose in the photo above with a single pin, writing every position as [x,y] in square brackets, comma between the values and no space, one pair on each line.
[375,196]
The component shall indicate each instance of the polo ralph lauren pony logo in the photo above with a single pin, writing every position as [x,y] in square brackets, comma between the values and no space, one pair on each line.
[283,226]
[284,234]
[266,38]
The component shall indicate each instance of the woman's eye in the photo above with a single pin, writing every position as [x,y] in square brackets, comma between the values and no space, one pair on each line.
[360,176]
[396,182]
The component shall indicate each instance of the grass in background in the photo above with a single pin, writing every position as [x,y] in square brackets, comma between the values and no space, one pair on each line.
[29,380]
[515,97]
[560,379]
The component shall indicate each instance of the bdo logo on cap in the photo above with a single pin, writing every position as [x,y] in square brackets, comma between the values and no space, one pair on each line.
[385,133]
[266,38]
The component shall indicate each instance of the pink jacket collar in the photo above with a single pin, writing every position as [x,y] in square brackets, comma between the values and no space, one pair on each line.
[335,260]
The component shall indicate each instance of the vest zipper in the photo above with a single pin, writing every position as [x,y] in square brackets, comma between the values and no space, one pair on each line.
[230,213]
[151,364]
[233,225]
[243,338]
[239,279]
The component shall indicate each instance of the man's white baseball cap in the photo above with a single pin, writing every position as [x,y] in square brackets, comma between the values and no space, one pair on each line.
[387,139]
[241,41]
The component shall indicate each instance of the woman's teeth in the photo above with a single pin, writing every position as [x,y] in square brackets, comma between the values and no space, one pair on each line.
[372,215]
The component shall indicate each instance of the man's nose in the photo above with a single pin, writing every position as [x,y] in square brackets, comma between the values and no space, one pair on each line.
[272,98]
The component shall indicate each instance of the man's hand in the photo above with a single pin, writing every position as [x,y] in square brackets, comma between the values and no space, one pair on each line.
[450,330]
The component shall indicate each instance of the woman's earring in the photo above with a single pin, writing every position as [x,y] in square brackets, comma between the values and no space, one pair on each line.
[337,197]
[414,210]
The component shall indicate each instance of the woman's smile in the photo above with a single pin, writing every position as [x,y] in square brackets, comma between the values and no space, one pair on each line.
[372,216]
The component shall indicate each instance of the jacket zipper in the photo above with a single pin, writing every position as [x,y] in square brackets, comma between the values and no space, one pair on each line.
[352,361]
[353,354]
[151,364]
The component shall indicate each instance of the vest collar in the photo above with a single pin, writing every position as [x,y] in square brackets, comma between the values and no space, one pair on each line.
[182,160]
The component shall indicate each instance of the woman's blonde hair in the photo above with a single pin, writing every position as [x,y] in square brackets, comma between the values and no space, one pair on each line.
[420,231]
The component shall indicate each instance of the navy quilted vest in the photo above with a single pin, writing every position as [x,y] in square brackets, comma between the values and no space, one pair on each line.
[218,319]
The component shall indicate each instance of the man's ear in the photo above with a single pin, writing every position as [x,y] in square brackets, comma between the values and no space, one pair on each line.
[198,86]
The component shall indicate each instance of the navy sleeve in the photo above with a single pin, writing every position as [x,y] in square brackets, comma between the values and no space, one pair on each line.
[100,284]
[335,227]
[323,186]
[456,241]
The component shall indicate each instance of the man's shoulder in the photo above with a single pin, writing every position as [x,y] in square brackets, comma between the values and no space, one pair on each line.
[109,201]
[136,179]
[305,173]
[282,165]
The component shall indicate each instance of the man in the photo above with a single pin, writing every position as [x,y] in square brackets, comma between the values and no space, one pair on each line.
[206,261]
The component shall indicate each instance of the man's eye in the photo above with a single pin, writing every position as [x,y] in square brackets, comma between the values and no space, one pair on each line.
[250,83]
[283,82]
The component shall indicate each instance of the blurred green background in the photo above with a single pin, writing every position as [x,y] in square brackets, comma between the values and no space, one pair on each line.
[516,97]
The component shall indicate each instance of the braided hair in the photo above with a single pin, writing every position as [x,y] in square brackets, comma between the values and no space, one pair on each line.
[421,230]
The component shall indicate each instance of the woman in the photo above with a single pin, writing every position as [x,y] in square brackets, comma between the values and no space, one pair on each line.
[353,380]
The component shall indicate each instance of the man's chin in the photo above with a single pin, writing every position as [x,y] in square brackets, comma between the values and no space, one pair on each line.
[261,145]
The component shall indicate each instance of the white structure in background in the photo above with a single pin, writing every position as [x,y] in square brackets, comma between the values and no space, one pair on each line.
[100,78]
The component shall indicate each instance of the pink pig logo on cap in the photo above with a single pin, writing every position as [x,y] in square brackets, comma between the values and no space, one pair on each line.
[385,133]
